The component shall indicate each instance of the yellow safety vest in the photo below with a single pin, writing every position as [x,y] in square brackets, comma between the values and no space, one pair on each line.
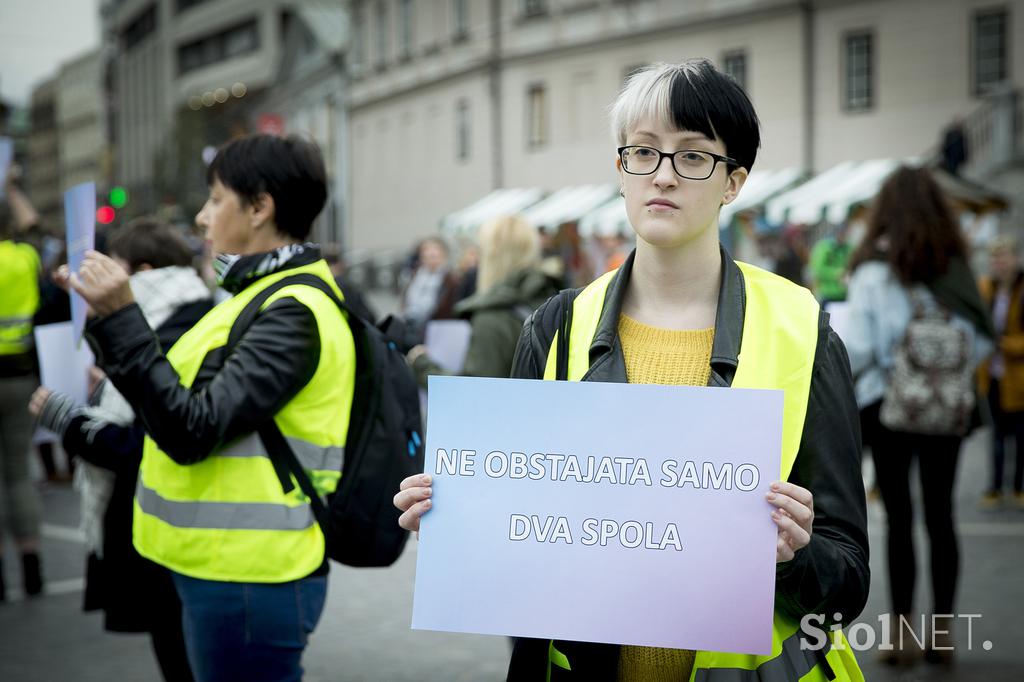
[780,334]
[226,517]
[19,296]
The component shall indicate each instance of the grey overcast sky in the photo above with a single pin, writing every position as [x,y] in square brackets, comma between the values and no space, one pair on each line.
[37,36]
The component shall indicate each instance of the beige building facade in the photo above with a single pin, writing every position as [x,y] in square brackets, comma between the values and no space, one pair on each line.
[448,100]
[81,120]
[43,171]
[178,57]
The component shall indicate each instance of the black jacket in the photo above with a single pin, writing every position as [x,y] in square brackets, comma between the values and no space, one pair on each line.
[135,594]
[231,395]
[827,576]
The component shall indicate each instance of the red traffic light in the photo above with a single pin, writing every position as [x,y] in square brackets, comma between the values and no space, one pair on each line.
[105,215]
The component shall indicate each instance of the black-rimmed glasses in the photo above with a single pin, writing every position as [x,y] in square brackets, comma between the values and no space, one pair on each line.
[691,164]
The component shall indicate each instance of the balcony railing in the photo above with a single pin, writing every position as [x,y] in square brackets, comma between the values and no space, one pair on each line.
[995,134]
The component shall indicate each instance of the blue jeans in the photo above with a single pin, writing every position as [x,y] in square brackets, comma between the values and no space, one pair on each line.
[248,631]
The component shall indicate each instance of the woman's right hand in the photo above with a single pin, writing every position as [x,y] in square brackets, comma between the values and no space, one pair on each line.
[413,500]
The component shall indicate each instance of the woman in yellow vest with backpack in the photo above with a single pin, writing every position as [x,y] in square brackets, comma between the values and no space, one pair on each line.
[247,557]
[681,311]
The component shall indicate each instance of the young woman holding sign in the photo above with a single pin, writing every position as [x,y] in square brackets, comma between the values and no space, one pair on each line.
[679,311]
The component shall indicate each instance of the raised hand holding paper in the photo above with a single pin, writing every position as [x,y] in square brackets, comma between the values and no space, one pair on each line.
[654,533]
[63,367]
[80,220]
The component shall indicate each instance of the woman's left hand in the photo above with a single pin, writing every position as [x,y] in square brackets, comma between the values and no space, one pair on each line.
[102,283]
[794,518]
[38,401]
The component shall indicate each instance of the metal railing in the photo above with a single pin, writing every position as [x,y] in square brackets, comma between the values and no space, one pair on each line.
[995,134]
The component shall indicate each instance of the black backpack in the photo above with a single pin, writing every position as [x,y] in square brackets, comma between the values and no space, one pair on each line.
[384,446]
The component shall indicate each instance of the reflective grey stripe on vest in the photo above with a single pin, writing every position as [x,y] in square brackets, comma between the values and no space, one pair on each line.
[224,515]
[311,457]
[790,665]
[15,321]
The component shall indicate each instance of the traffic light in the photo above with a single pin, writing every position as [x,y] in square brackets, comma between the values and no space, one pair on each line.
[105,215]
[118,197]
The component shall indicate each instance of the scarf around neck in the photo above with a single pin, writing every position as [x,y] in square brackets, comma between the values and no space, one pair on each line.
[236,272]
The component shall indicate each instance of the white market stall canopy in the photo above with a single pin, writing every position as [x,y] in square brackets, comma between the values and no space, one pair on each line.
[833,204]
[568,204]
[608,220]
[830,195]
[761,185]
[499,202]
[778,208]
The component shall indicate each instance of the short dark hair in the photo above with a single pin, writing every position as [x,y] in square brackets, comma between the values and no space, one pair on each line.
[692,95]
[289,169]
[148,241]
[913,216]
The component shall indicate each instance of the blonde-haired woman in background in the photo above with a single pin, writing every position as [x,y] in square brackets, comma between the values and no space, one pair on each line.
[510,286]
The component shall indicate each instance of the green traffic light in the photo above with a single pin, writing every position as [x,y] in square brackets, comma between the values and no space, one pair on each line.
[118,197]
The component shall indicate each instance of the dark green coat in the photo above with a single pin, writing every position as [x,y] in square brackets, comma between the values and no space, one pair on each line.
[496,317]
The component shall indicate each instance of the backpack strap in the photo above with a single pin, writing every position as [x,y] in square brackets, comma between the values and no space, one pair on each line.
[281,455]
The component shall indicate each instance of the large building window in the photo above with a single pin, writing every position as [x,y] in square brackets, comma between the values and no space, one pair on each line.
[536,116]
[534,8]
[182,5]
[143,26]
[858,71]
[405,24]
[734,64]
[462,130]
[460,19]
[358,36]
[382,34]
[989,50]
[233,42]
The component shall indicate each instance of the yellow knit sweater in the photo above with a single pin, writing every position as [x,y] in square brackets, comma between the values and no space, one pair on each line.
[678,358]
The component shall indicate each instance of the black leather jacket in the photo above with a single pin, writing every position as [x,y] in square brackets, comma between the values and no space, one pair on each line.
[231,395]
[830,575]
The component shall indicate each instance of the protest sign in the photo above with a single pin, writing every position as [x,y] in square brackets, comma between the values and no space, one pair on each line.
[601,512]
[447,342]
[63,367]
[80,222]
[6,156]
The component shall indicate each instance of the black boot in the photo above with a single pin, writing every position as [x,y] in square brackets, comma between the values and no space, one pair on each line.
[31,574]
[3,588]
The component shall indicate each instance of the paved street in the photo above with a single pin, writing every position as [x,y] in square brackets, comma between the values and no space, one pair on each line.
[365,631]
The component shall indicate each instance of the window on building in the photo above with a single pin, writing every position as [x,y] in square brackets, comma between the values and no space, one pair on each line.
[382,34]
[460,19]
[182,5]
[236,41]
[536,116]
[858,71]
[534,8]
[140,28]
[358,33]
[462,131]
[989,50]
[405,19]
[735,66]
